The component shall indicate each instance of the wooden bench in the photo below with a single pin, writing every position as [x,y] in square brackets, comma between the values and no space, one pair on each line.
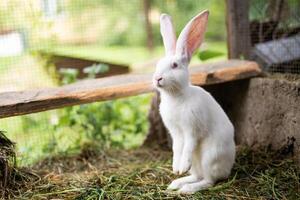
[92,90]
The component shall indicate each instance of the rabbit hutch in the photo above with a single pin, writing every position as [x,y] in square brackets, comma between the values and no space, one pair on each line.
[258,86]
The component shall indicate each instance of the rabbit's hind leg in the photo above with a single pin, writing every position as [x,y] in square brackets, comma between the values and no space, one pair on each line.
[196,186]
[178,183]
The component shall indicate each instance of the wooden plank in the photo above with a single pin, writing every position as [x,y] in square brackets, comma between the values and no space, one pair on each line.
[87,91]
[54,54]
[238,33]
[80,64]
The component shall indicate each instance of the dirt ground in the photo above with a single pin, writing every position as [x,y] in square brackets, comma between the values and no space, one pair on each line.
[145,174]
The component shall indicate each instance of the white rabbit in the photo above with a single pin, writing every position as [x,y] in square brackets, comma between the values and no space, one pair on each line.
[202,134]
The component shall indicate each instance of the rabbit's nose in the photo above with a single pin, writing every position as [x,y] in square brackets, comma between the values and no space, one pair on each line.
[159,78]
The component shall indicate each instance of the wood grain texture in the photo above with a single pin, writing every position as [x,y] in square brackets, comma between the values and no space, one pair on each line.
[87,91]
[238,28]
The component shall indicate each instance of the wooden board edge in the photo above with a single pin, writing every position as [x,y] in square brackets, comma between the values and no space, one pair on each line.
[61,98]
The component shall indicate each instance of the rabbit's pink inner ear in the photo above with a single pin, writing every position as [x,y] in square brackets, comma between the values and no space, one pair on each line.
[168,34]
[192,35]
[196,33]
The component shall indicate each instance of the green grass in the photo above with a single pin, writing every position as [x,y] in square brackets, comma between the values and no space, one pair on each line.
[115,54]
[217,46]
[125,55]
[146,173]
[218,51]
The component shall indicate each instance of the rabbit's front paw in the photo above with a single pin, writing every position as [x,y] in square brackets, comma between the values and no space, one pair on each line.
[185,166]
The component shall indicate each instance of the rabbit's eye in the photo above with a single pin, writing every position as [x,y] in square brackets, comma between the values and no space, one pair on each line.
[174,65]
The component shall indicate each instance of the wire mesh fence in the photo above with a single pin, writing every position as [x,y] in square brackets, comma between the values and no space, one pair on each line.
[48,43]
[275,34]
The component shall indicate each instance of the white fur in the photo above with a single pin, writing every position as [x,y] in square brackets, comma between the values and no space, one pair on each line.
[202,134]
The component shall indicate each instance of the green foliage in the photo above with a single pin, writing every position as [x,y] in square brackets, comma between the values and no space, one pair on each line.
[69,75]
[124,24]
[116,123]
[183,11]
[208,54]
[111,123]
[125,27]
[95,69]
[113,22]
[263,11]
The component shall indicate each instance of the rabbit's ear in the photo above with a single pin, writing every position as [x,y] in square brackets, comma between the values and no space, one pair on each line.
[168,34]
[192,35]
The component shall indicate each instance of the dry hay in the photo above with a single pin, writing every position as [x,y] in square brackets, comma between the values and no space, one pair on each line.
[145,173]
[7,160]
[12,179]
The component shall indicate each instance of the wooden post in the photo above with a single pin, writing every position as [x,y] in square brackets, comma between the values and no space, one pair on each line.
[148,26]
[238,28]
[157,133]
